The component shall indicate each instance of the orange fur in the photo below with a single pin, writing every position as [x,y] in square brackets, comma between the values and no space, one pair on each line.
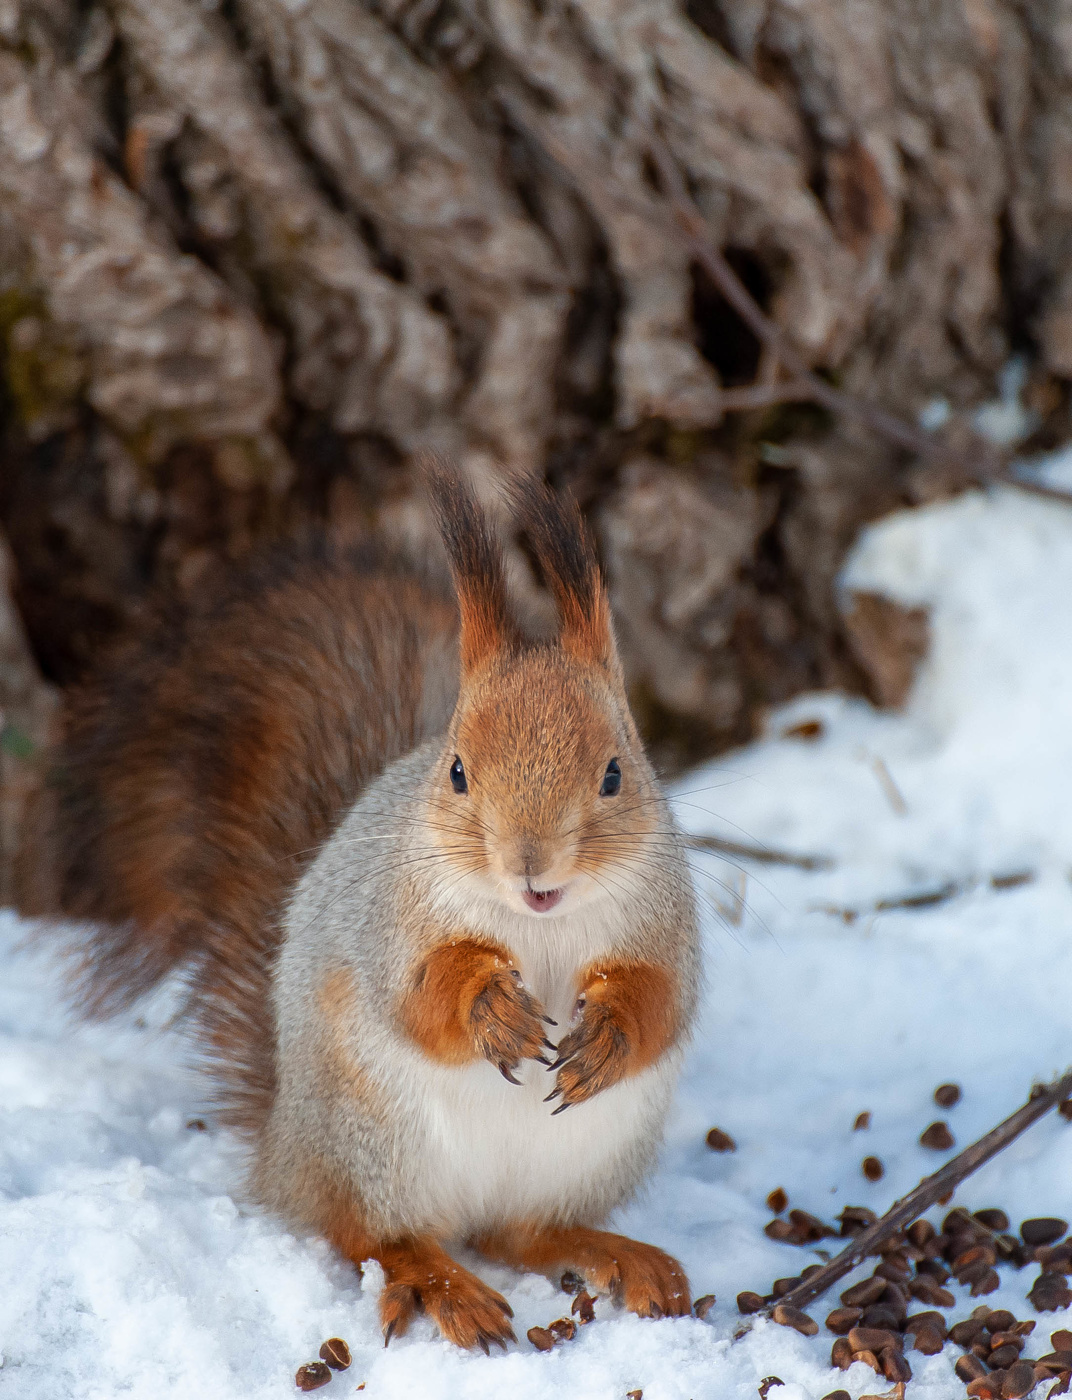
[519,819]
[419,1275]
[482,631]
[465,1002]
[629,1019]
[586,633]
[645,1279]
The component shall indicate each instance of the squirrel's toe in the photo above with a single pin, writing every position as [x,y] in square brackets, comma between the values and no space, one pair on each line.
[399,1304]
[653,1284]
[473,1315]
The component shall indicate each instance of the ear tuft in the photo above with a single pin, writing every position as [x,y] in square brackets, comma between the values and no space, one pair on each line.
[567,557]
[476,563]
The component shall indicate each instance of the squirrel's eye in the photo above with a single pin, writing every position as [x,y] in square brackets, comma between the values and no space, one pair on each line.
[457,776]
[612,780]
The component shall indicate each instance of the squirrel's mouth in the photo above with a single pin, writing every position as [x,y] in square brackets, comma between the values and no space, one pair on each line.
[541,901]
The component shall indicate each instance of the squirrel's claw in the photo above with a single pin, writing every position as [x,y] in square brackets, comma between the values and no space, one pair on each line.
[542,1060]
[505,1071]
[547,1045]
[549,1021]
[486,1337]
[552,1095]
[561,1108]
[388,1332]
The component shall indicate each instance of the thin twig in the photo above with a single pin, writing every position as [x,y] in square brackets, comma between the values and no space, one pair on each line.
[893,793]
[760,853]
[693,226]
[765,395]
[1038,488]
[929,1191]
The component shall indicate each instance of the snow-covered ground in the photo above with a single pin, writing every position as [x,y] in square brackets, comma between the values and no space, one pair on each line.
[127,1267]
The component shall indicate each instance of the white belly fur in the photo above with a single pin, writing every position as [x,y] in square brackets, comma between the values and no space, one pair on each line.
[493,1152]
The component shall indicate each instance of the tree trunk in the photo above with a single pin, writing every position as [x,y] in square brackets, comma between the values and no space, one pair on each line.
[255,253]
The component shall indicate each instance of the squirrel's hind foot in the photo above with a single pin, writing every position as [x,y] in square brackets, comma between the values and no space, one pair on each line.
[644,1279]
[421,1277]
[648,1281]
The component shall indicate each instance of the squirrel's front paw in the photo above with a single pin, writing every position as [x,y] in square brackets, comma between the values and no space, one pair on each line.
[591,1057]
[507,1023]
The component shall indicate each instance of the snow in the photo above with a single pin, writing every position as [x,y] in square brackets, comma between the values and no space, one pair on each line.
[1053,469]
[129,1266]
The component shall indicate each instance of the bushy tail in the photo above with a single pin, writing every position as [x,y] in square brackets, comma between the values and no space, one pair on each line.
[203,766]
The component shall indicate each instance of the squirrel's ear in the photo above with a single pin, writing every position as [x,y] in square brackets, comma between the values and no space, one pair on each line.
[476,563]
[564,549]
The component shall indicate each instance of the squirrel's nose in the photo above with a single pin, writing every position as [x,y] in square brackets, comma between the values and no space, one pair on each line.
[532,862]
[531,859]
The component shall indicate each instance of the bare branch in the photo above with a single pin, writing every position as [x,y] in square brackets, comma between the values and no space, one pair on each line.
[765,854]
[930,1190]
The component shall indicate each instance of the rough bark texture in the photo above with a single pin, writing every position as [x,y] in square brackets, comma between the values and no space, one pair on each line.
[254,253]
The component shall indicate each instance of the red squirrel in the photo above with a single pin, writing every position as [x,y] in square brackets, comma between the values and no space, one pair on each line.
[434,916]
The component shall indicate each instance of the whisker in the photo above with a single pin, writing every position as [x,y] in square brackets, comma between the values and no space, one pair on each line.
[711,787]
[415,822]
[385,869]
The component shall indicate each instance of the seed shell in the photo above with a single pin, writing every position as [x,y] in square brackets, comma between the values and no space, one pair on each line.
[895,1365]
[749,1302]
[1019,1380]
[937,1137]
[842,1320]
[788,1316]
[928,1340]
[864,1293]
[312,1376]
[719,1141]
[874,1339]
[1043,1229]
[841,1354]
[992,1218]
[336,1353]
[583,1307]
[969,1368]
[1050,1293]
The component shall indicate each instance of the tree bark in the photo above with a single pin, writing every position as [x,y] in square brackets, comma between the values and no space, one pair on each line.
[255,253]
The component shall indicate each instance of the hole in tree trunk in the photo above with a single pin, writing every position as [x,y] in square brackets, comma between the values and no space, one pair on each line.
[724,339]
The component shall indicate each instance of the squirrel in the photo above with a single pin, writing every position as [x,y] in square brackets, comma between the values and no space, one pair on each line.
[393,845]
